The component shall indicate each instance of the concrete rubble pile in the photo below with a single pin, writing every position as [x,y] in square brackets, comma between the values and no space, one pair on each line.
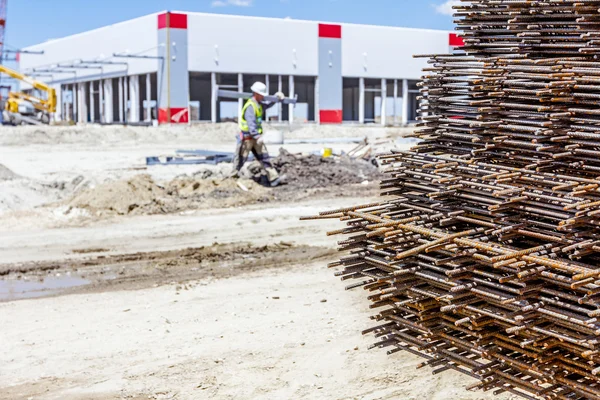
[484,254]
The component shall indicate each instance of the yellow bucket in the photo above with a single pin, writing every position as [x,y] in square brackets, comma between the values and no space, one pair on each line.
[327,152]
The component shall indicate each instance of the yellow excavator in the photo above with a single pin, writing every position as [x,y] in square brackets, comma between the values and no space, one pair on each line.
[21,108]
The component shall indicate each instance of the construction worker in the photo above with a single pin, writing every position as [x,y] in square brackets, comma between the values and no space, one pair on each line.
[250,138]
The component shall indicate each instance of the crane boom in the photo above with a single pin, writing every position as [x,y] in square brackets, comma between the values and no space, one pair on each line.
[48,104]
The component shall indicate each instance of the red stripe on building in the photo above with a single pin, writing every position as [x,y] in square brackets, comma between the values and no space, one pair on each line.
[176,21]
[330,116]
[178,116]
[456,40]
[330,31]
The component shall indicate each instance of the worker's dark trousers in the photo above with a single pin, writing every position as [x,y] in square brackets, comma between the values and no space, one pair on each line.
[242,151]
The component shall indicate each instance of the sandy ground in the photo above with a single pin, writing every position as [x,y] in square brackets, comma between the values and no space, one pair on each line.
[284,334]
[227,302]
[253,223]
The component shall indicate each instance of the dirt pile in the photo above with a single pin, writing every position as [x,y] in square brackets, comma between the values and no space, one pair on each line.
[310,172]
[216,192]
[141,195]
[121,197]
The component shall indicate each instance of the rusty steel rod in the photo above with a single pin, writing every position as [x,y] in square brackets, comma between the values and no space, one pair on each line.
[484,256]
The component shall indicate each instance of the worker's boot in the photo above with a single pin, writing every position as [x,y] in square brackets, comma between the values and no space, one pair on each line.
[280,180]
[273,175]
[264,180]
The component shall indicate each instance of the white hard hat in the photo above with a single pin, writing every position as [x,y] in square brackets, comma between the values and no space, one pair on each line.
[259,88]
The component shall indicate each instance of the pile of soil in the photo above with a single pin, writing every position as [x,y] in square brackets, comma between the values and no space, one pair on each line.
[311,172]
[141,195]
[121,197]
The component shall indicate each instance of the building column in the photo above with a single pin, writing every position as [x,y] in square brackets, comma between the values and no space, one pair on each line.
[126,109]
[384,102]
[240,90]
[134,98]
[317,100]
[214,97]
[292,95]
[73,105]
[148,98]
[63,107]
[121,113]
[59,103]
[174,81]
[405,102]
[82,106]
[74,100]
[280,106]
[101,107]
[330,74]
[395,101]
[361,100]
[92,103]
[108,101]
[267,84]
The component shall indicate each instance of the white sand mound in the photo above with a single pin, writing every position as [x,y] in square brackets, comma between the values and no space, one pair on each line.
[20,193]
[6,174]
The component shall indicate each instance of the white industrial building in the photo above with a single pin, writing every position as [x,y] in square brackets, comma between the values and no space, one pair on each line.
[169,66]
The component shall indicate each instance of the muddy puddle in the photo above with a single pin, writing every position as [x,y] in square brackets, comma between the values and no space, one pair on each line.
[19,289]
[148,269]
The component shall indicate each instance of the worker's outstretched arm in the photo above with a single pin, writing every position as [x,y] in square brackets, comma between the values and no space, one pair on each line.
[251,120]
[266,106]
[279,95]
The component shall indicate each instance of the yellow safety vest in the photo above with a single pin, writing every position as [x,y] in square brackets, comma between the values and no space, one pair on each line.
[258,111]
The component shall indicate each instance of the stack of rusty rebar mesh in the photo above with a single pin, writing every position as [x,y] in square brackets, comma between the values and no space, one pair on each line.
[484,256]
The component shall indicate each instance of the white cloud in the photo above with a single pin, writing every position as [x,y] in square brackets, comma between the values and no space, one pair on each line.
[446,7]
[235,3]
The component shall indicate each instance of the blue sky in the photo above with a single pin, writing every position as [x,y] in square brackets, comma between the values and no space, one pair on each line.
[34,21]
